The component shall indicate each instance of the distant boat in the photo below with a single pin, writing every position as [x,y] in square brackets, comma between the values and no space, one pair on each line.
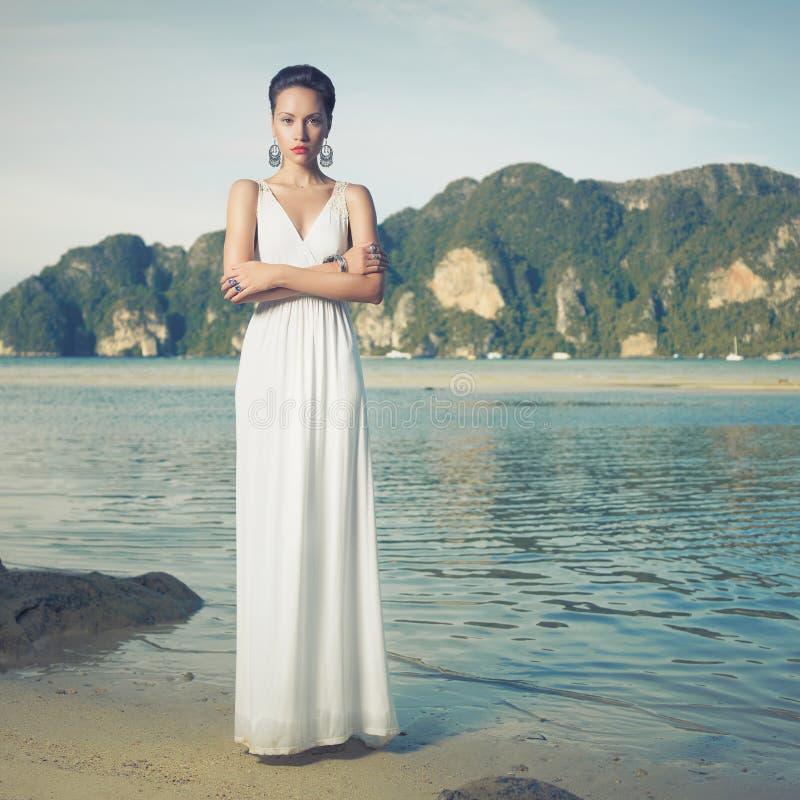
[734,356]
[677,355]
[494,354]
[397,354]
[701,355]
[559,356]
[775,357]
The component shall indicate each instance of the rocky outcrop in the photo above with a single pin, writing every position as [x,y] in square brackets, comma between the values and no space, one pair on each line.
[712,182]
[786,236]
[570,307]
[636,203]
[507,787]
[784,289]
[638,344]
[734,284]
[41,610]
[378,330]
[134,333]
[666,289]
[463,280]
[373,327]
[403,313]
[9,350]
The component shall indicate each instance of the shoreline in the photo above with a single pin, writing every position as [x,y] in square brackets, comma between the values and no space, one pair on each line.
[484,384]
[78,733]
[465,376]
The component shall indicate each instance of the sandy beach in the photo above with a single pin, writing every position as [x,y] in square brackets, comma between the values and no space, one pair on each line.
[479,377]
[70,734]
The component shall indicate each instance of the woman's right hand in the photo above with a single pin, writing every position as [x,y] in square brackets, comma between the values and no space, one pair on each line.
[361,262]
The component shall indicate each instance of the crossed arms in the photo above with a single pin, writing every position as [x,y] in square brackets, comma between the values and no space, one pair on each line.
[262,282]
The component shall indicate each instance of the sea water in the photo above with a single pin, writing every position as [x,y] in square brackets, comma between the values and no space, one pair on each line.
[616,551]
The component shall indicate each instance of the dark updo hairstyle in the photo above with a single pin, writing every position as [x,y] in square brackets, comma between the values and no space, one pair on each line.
[307,76]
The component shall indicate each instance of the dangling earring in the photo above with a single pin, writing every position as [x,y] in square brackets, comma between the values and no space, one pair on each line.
[274,154]
[326,155]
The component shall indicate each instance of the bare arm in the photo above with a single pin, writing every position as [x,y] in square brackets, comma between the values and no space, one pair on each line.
[341,286]
[240,225]
[364,229]
[279,292]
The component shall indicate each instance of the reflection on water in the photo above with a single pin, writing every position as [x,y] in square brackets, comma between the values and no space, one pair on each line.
[626,561]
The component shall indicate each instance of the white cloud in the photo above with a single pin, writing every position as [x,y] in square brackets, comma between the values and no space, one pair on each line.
[520,28]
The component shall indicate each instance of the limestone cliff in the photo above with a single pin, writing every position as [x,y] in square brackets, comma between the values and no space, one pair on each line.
[378,330]
[738,283]
[786,236]
[463,280]
[734,284]
[571,308]
[638,344]
[134,332]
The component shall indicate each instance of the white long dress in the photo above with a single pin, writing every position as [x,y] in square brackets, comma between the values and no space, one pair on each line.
[310,651]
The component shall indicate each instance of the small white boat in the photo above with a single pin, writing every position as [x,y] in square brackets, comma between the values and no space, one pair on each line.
[701,355]
[494,354]
[397,354]
[775,357]
[734,356]
[677,355]
[560,356]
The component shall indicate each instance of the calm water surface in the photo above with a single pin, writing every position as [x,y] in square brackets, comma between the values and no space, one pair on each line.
[624,563]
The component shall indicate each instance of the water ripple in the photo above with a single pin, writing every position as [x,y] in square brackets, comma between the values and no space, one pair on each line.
[639,552]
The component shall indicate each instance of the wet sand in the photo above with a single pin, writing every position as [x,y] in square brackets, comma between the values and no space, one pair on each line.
[70,735]
[537,382]
[468,377]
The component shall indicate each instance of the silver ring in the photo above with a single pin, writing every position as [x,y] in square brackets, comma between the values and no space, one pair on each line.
[373,248]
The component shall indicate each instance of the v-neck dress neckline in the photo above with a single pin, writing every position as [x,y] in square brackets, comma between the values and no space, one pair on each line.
[286,216]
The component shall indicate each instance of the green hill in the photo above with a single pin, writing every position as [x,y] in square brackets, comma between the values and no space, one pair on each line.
[525,262]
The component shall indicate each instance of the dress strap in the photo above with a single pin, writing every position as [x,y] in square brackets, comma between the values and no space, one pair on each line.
[263,186]
[338,203]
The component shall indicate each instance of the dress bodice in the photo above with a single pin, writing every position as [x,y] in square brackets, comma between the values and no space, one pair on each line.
[279,242]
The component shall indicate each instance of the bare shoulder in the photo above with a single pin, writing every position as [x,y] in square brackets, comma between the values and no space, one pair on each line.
[358,195]
[244,187]
[243,196]
[242,201]
[356,190]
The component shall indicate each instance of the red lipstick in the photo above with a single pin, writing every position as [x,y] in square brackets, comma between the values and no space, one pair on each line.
[299,149]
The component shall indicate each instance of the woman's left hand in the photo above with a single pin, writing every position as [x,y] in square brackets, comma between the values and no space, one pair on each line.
[252,277]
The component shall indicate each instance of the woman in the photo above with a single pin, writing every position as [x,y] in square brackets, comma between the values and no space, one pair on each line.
[310,659]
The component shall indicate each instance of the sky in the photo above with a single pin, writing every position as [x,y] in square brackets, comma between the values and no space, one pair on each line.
[137,117]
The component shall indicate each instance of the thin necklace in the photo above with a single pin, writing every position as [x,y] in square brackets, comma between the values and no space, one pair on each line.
[296,186]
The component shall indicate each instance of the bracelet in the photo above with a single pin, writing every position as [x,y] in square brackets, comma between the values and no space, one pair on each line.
[340,260]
